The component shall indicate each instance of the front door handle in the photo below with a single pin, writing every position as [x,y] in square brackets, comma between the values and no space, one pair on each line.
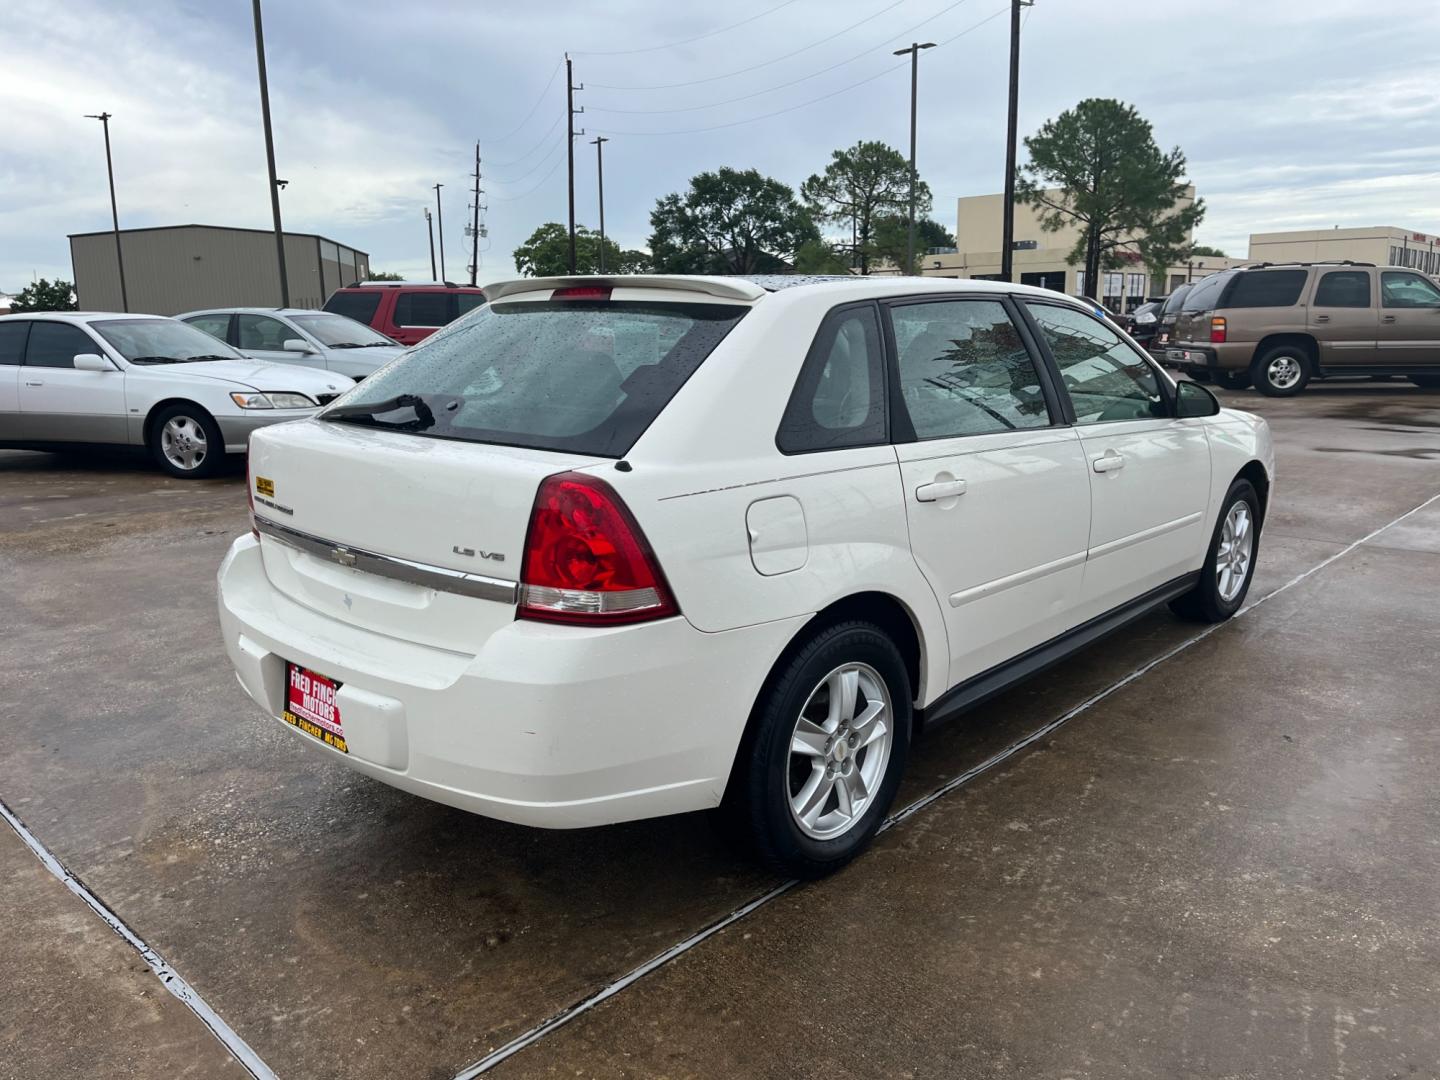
[1110,461]
[1387,318]
[1322,318]
[940,489]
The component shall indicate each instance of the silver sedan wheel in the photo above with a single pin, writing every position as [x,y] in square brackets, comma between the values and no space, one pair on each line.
[1237,549]
[839,751]
[1283,372]
[183,442]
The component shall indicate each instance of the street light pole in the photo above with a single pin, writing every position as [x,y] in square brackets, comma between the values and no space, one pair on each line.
[914,51]
[1007,239]
[430,227]
[270,156]
[440,224]
[104,119]
[599,142]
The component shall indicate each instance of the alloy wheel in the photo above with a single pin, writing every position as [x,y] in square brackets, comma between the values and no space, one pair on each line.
[839,751]
[183,442]
[1237,548]
[1283,372]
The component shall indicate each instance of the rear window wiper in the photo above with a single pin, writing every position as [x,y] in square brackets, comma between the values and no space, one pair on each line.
[371,411]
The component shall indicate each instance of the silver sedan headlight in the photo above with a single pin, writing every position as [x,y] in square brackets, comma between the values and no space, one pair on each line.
[272,400]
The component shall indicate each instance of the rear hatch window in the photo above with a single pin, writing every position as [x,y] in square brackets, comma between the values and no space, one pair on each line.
[359,306]
[576,376]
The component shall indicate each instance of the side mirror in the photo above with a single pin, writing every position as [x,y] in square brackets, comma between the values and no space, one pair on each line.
[1192,399]
[295,344]
[91,361]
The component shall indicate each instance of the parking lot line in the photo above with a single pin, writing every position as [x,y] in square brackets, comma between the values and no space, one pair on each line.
[169,977]
[559,1020]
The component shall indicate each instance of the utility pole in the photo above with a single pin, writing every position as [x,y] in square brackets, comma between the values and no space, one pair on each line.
[600,141]
[270,156]
[104,119]
[914,51]
[440,225]
[570,113]
[1007,239]
[475,220]
[430,226]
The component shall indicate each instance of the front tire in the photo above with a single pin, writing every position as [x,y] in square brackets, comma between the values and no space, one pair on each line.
[186,442]
[1282,371]
[825,752]
[1233,380]
[1230,563]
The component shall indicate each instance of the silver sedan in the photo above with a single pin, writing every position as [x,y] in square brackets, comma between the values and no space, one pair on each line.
[314,339]
[75,379]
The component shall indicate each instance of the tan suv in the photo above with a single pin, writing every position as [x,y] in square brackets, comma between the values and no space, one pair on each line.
[1279,326]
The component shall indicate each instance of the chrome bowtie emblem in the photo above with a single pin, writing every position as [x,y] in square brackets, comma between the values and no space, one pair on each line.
[343,556]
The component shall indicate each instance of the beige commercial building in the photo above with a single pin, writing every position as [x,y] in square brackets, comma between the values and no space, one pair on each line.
[1041,258]
[1383,245]
[178,268]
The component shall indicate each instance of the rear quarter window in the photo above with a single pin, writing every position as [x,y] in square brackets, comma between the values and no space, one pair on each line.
[1264,288]
[573,376]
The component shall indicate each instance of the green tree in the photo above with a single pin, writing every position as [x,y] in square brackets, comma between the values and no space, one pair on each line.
[818,257]
[860,187]
[547,253]
[892,238]
[1097,167]
[46,295]
[385,275]
[1206,250]
[729,222]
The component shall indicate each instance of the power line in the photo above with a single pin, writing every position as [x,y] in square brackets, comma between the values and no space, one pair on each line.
[688,41]
[756,67]
[540,164]
[518,127]
[530,191]
[803,104]
[793,82]
[541,142]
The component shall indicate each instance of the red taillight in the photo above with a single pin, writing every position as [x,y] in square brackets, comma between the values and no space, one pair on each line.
[582,292]
[586,560]
[1217,329]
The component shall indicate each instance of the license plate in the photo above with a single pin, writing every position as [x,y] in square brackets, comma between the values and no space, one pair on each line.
[310,706]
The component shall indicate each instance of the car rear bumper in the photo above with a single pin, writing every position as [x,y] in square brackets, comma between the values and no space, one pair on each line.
[1220,357]
[550,726]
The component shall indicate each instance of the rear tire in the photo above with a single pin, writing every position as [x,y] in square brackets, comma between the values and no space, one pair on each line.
[1233,380]
[1200,375]
[1282,371]
[1230,563]
[186,442]
[1429,382]
[824,753]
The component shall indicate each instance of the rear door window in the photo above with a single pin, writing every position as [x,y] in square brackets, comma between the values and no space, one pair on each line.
[1344,288]
[964,370]
[839,399]
[1264,288]
[579,376]
[56,345]
[424,308]
[359,306]
[12,342]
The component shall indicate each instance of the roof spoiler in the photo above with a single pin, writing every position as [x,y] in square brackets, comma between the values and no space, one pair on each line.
[724,288]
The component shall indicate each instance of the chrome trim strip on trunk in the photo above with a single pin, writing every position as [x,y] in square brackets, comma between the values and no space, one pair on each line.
[430,577]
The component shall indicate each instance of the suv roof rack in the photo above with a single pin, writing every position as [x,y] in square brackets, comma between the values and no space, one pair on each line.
[405,284]
[1312,262]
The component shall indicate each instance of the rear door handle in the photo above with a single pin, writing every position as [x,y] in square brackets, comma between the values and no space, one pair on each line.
[1322,318]
[941,489]
[1387,318]
[1110,461]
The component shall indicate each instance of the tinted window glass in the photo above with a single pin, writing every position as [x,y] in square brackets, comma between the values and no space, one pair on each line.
[1106,378]
[424,309]
[359,306]
[261,332]
[839,399]
[12,341]
[467,302]
[217,326]
[1407,291]
[554,375]
[964,370]
[1343,288]
[1265,288]
[56,345]
[1203,295]
[1176,298]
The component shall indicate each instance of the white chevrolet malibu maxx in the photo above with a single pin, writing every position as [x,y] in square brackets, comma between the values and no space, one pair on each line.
[609,548]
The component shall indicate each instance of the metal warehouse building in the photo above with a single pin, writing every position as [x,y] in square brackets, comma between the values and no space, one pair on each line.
[177,268]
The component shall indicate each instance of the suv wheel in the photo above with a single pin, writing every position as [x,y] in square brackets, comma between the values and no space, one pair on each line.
[821,765]
[1282,371]
[1230,563]
[1429,382]
[1233,380]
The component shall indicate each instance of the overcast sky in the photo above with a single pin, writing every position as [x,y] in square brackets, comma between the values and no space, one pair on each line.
[1292,113]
